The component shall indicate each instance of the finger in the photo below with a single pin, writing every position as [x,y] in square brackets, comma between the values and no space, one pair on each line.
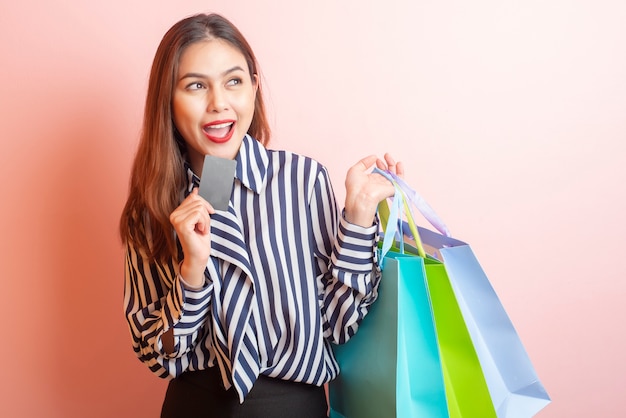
[391,163]
[367,162]
[188,207]
[381,164]
[193,195]
[197,223]
[209,207]
[194,198]
[203,226]
[400,169]
[189,213]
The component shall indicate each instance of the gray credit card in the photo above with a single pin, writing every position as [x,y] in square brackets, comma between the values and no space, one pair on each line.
[216,183]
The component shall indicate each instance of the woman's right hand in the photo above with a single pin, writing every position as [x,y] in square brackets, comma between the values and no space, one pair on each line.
[192,222]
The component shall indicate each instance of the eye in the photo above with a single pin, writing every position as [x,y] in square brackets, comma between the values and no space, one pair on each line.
[196,85]
[234,81]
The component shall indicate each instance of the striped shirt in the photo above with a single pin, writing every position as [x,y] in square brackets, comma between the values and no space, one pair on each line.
[287,278]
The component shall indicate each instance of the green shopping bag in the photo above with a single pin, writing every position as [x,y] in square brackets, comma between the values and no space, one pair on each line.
[466,387]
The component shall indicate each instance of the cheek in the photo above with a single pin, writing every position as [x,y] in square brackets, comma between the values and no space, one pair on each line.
[246,106]
[183,111]
[177,110]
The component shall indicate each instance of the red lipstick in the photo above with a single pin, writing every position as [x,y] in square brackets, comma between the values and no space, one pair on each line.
[219,131]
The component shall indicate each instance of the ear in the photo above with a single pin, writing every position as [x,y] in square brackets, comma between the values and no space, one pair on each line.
[255,82]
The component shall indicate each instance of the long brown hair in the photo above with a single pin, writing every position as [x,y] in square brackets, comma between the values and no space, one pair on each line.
[158,175]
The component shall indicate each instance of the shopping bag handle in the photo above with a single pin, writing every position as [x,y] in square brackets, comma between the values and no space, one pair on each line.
[391,225]
[399,204]
[416,200]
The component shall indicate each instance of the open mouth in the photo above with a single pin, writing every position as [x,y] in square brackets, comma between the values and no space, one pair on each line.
[220,131]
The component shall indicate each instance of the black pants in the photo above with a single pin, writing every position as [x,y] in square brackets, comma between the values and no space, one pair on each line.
[201,395]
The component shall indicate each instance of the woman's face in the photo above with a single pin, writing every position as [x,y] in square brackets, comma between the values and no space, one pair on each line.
[213,100]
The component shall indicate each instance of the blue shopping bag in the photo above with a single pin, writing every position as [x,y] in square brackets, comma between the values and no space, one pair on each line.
[515,388]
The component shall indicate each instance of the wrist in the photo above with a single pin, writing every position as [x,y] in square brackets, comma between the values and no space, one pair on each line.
[363,218]
[192,275]
[360,209]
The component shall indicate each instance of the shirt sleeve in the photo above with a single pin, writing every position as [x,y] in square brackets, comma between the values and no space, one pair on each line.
[156,301]
[348,273]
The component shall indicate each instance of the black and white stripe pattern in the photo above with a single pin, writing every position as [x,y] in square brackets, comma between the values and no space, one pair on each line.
[287,277]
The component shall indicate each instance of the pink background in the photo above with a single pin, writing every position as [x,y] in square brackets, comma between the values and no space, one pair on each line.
[509,115]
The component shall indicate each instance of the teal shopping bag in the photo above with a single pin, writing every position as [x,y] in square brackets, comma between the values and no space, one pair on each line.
[391,366]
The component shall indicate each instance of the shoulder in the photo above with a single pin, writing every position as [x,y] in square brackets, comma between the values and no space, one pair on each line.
[297,171]
[290,159]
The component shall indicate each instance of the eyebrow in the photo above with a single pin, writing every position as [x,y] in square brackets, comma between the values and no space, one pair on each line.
[200,75]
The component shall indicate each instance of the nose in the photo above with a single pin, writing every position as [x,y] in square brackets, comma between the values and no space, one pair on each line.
[217,101]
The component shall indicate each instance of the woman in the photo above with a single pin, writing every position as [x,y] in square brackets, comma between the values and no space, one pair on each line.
[239,307]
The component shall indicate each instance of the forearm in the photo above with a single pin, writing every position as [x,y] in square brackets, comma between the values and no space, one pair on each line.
[353,280]
[164,318]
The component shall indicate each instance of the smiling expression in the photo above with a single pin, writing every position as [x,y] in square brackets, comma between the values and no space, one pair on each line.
[213,100]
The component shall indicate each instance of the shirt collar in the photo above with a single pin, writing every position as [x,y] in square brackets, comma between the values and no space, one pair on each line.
[252,163]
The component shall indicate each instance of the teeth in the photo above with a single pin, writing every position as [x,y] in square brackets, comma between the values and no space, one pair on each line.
[221,125]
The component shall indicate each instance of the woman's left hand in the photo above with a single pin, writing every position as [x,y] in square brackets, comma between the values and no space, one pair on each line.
[364,189]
